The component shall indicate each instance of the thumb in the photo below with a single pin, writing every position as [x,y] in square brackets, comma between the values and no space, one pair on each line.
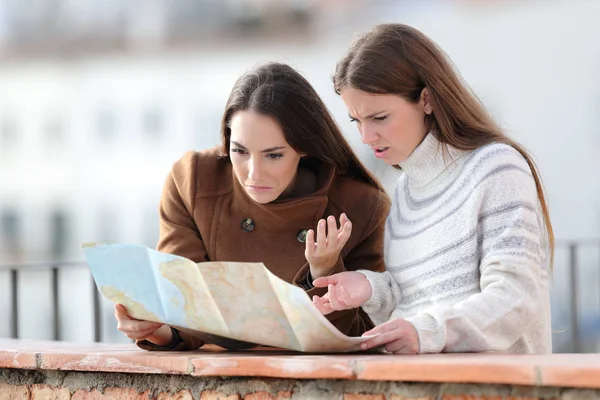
[122,311]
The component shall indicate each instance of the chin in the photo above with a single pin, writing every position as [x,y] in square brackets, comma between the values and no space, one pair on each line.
[392,162]
[262,198]
[395,160]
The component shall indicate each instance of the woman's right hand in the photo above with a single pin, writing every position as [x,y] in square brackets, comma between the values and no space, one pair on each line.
[154,332]
[345,290]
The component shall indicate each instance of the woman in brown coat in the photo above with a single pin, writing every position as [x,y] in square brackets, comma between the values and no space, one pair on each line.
[273,192]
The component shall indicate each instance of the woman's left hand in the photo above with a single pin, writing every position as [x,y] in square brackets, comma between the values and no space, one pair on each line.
[399,337]
[322,254]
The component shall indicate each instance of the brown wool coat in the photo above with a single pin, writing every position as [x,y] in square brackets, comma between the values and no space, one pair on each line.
[203,206]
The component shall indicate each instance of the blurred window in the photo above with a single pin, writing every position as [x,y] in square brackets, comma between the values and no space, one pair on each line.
[150,226]
[8,131]
[107,223]
[9,232]
[153,123]
[106,124]
[58,233]
[54,130]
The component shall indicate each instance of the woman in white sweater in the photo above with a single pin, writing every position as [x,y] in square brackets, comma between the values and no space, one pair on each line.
[469,243]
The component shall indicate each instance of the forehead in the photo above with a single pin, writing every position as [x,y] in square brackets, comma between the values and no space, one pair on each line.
[253,129]
[361,103]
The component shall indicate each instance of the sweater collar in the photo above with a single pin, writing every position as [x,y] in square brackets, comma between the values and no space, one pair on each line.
[428,161]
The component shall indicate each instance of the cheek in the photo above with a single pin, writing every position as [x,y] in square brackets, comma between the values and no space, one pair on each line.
[405,129]
[239,168]
[394,132]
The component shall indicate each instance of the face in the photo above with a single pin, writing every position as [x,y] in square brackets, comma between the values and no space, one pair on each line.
[390,125]
[263,161]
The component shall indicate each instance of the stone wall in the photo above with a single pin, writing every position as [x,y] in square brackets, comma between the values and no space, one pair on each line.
[67,385]
[31,370]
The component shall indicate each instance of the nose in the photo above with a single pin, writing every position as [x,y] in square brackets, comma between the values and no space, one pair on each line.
[368,134]
[254,169]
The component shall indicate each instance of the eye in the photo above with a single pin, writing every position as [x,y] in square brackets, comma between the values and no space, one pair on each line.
[352,119]
[241,152]
[274,156]
[380,118]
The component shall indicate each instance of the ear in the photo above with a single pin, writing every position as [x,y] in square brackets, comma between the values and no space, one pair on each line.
[425,102]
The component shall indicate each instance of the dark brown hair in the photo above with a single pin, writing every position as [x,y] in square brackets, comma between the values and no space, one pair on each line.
[398,59]
[279,91]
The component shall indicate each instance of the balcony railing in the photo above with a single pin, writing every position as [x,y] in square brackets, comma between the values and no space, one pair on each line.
[570,250]
[55,268]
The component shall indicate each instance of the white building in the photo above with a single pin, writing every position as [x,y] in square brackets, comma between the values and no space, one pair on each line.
[86,140]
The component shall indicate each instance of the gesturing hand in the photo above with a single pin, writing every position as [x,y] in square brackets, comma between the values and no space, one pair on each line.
[345,290]
[323,253]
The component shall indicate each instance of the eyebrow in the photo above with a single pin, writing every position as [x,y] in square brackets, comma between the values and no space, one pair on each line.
[368,116]
[269,150]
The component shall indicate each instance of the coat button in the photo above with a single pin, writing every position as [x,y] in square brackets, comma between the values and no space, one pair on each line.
[301,236]
[247,225]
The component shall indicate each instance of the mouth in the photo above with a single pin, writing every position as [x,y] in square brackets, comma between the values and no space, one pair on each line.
[258,189]
[380,151]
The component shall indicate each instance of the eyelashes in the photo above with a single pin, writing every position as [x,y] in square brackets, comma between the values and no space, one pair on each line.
[383,118]
[270,156]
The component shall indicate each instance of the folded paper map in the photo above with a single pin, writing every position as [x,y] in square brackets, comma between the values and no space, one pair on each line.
[242,301]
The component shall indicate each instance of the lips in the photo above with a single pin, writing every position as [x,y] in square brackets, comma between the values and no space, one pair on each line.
[380,151]
[258,189]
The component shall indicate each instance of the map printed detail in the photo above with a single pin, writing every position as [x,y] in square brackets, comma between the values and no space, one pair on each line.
[242,301]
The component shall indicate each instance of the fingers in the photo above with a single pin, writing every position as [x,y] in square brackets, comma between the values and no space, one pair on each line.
[384,338]
[131,327]
[121,312]
[324,245]
[385,327]
[325,281]
[322,304]
[400,347]
[139,335]
[344,296]
[321,236]
[333,297]
[344,233]
[398,336]
[310,244]
[332,231]
[343,219]
[328,234]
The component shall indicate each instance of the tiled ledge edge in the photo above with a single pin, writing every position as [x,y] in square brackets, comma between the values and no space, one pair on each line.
[557,370]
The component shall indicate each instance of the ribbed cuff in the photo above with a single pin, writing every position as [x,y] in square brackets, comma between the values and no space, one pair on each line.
[432,335]
[379,288]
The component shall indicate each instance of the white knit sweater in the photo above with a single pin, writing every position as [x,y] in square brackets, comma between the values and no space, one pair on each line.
[466,253]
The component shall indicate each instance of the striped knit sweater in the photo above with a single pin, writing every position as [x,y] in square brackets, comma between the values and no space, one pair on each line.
[466,253]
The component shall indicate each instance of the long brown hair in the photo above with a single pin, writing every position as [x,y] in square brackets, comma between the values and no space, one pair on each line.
[398,59]
[279,91]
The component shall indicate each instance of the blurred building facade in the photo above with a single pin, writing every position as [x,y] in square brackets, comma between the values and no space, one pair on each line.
[98,99]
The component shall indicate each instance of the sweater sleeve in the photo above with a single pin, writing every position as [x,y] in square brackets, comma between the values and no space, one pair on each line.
[385,296]
[511,269]
[385,290]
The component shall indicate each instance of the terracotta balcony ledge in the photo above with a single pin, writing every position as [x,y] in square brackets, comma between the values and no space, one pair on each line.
[557,370]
